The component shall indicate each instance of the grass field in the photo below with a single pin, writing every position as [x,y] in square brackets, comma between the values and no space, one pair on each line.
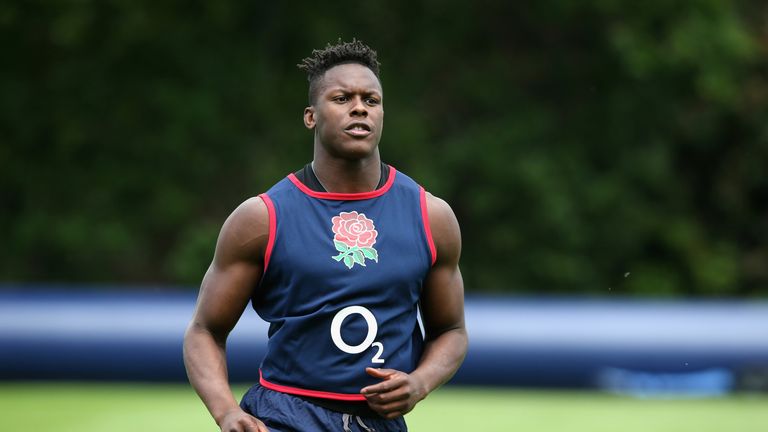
[88,407]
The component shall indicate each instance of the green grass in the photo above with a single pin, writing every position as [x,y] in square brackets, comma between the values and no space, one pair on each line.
[87,407]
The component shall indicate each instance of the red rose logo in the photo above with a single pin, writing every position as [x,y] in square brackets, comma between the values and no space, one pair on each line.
[354,237]
[354,229]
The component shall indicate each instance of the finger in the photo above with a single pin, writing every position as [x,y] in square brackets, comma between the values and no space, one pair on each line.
[380,410]
[256,426]
[382,387]
[392,381]
[395,409]
[399,403]
[395,405]
[397,394]
[380,373]
[376,388]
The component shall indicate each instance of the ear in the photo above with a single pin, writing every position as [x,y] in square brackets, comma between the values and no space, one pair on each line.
[309,117]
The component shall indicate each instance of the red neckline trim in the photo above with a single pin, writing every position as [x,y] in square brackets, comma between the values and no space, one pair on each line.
[355,397]
[346,196]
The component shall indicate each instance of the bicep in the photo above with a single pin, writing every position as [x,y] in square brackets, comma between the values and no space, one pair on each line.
[235,271]
[224,294]
[442,299]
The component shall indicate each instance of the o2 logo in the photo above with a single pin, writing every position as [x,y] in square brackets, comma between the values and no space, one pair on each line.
[373,329]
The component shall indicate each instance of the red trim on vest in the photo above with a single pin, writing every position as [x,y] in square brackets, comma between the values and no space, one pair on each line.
[272,230]
[310,393]
[346,196]
[427,227]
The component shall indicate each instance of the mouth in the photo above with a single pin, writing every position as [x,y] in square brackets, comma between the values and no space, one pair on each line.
[358,129]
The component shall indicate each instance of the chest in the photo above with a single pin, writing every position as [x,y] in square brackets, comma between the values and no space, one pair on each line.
[327,254]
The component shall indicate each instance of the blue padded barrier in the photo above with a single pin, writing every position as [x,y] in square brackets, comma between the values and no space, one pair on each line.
[136,334]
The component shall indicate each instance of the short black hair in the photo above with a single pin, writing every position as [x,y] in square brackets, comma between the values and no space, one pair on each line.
[333,55]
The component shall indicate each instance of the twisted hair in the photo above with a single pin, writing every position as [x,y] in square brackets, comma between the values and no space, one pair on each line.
[333,55]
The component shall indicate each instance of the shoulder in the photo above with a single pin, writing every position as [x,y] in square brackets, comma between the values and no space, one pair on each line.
[249,217]
[445,229]
[245,233]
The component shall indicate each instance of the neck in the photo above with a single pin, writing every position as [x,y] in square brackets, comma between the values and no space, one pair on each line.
[348,176]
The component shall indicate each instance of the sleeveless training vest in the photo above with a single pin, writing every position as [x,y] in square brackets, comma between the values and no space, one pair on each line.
[342,279]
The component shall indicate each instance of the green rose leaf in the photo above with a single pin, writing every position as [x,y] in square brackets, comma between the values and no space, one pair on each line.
[341,247]
[349,261]
[338,257]
[359,257]
[371,253]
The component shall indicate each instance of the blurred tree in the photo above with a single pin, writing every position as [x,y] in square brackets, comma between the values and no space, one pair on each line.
[587,147]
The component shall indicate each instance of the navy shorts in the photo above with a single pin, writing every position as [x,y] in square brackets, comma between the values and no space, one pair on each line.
[282,412]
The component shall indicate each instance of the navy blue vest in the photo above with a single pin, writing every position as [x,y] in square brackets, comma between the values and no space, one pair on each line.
[342,279]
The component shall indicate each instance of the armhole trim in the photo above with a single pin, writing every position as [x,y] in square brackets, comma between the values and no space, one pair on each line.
[272,230]
[427,227]
[355,397]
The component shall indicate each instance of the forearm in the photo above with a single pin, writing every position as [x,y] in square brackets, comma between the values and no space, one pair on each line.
[206,364]
[441,358]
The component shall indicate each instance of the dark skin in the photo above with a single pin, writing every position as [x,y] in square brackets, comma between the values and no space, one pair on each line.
[347,119]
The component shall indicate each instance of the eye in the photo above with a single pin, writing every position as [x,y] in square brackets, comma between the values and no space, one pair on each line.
[340,99]
[372,101]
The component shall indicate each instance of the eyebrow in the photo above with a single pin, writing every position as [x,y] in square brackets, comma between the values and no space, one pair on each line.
[347,90]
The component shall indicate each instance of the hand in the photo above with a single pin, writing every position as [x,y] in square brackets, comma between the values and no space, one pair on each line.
[238,420]
[396,395]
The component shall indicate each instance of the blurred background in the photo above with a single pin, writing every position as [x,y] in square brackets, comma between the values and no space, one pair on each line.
[605,159]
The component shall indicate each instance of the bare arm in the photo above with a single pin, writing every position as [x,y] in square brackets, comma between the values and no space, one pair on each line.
[442,301]
[226,289]
[442,306]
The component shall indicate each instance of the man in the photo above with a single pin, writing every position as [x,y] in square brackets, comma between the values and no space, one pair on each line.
[338,258]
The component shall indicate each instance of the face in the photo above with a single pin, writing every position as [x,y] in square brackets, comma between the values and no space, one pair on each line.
[348,114]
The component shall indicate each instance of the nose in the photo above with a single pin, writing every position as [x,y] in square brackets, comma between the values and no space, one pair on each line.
[359,108]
